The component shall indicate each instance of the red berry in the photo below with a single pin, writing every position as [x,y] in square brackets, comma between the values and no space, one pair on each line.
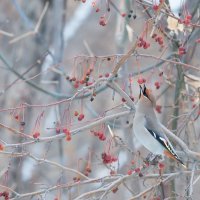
[82,81]
[130,171]
[123,14]
[112,172]
[68,138]
[146,45]
[157,84]
[154,35]
[137,170]
[139,44]
[1,147]
[186,21]
[80,117]
[155,7]
[57,130]
[100,134]
[102,21]
[93,4]
[76,113]
[115,190]
[76,85]
[160,42]
[73,78]
[158,108]
[180,21]
[132,162]
[198,40]
[114,159]
[141,80]
[161,74]
[95,133]
[102,137]
[36,135]
[161,166]
[83,1]
[189,17]
[66,131]
[140,39]
[123,100]
[88,169]
[144,80]
[97,10]
[107,75]
[181,51]
[17,117]
[140,174]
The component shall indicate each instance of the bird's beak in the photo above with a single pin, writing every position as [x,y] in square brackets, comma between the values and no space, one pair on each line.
[141,92]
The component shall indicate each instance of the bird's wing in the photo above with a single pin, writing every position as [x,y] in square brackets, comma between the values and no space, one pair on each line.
[154,129]
[169,149]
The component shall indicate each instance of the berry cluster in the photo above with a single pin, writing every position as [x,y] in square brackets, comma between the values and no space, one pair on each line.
[99,134]
[94,5]
[181,51]
[186,20]
[102,21]
[158,39]
[80,116]
[143,43]
[136,170]
[106,75]
[77,83]
[88,169]
[4,194]
[107,158]
[67,133]
[156,6]
[131,14]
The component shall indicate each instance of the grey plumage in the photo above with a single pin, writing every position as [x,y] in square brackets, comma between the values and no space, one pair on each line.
[147,128]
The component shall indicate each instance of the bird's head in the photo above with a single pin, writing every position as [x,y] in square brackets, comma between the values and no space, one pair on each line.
[146,96]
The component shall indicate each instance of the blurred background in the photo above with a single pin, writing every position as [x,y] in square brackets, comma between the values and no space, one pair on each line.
[50,52]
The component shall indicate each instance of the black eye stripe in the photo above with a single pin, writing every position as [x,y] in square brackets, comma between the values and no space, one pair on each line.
[144,92]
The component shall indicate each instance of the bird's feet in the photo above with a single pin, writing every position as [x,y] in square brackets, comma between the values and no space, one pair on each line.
[153,159]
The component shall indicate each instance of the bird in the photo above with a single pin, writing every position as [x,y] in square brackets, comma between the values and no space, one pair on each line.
[147,128]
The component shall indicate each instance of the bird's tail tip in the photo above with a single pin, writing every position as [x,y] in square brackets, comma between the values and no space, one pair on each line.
[181,162]
[183,165]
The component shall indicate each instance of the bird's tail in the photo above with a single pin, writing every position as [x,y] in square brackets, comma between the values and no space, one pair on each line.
[171,154]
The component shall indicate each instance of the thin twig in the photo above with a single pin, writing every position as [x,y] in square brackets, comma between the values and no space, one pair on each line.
[36,29]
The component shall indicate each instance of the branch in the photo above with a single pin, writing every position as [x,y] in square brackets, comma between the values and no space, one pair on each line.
[170,177]
[36,29]
[191,154]
[123,94]
[59,166]
[73,132]
[124,59]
